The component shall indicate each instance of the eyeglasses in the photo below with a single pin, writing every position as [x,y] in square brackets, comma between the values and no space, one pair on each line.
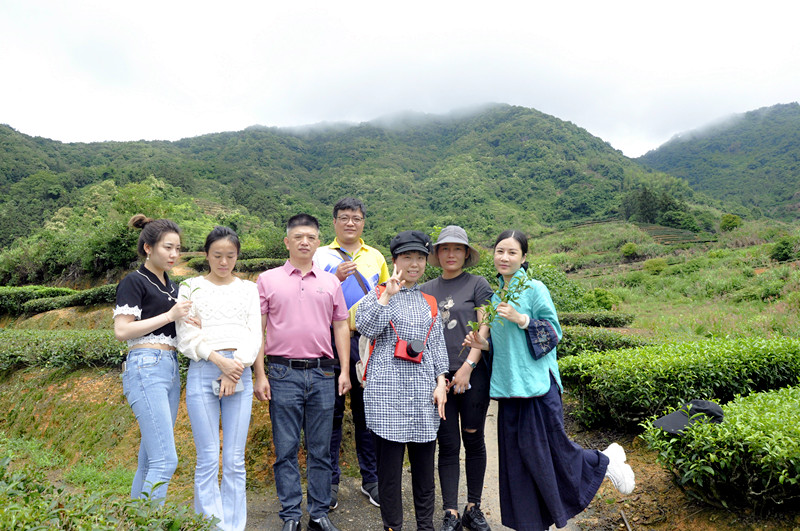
[348,219]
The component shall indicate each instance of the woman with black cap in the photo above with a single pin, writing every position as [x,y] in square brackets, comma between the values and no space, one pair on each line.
[460,294]
[405,390]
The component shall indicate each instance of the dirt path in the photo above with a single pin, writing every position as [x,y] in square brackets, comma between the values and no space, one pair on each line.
[355,513]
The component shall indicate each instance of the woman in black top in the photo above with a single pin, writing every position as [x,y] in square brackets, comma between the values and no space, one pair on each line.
[459,295]
[145,314]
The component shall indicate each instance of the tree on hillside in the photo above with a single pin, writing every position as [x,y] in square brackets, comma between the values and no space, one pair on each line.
[728,222]
[643,205]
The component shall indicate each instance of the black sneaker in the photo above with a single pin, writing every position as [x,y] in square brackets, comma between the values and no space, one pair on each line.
[451,522]
[334,496]
[474,520]
[371,490]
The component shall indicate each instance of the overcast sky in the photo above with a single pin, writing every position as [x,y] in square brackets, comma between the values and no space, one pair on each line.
[632,73]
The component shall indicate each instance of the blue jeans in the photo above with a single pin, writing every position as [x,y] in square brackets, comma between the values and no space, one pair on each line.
[302,399]
[153,388]
[228,502]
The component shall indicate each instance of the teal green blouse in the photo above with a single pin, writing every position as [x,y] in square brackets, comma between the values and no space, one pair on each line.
[515,373]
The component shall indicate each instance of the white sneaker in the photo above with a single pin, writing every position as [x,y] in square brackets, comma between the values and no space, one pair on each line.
[615,451]
[620,473]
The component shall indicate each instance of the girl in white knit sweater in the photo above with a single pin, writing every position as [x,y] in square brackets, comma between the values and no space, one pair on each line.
[219,384]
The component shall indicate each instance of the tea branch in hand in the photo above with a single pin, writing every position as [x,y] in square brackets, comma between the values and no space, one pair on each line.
[508,294]
[189,287]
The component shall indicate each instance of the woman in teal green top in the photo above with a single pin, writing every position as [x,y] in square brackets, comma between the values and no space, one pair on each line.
[514,373]
[545,478]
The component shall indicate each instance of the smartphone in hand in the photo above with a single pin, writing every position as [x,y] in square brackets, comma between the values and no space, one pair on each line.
[215,385]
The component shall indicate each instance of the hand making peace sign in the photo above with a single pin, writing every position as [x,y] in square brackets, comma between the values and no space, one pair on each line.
[393,285]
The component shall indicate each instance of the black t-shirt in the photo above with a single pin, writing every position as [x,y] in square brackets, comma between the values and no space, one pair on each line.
[458,297]
[143,295]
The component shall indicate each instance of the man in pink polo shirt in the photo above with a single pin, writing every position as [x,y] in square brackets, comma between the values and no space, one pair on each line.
[299,304]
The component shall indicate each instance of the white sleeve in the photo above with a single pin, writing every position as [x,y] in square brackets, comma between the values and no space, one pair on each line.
[252,333]
[192,342]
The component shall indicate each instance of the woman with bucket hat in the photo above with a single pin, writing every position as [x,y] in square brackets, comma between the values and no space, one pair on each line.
[405,390]
[459,294]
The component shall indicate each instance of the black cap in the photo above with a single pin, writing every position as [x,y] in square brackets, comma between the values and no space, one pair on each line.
[689,413]
[410,240]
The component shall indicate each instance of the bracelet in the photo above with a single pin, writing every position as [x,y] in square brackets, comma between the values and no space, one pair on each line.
[471,363]
[526,323]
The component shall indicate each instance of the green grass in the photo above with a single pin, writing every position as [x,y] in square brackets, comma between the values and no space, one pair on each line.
[86,475]
[727,289]
[32,451]
[99,474]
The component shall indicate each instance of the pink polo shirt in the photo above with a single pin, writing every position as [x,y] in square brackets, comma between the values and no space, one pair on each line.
[300,310]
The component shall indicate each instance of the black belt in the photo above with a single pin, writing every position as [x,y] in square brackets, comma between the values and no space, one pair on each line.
[303,364]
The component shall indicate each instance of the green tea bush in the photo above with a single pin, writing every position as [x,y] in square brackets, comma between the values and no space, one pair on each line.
[601,298]
[630,251]
[767,286]
[597,319]
[784,249]
[633,279]
[250,265]
[625,387]
[12,298]
[65,349]
[578,340]
[256,265]
[655,266]
[29,501]
[198,263]
[750,460]
[567,295]
[99,295]
[690,266]
[45,305]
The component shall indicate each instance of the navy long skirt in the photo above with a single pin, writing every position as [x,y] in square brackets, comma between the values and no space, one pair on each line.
[545,478]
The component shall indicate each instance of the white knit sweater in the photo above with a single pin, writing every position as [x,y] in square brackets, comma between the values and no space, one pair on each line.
[230,316]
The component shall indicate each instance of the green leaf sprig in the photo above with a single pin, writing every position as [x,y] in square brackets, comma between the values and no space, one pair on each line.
[191,291]
[510,293]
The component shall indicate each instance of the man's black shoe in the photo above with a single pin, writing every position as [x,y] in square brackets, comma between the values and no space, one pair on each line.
[474,520]
[451,522]
[291,525]
[334,496]
[371,490]
[324,524]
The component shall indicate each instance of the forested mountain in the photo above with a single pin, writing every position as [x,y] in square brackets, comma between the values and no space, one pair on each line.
[63,207]
[498,166]
[752,158]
